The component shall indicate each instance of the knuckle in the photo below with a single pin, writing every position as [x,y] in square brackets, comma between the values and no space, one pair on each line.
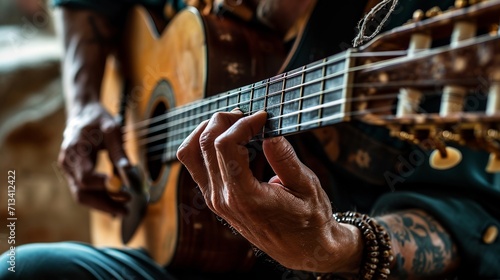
[314,179]
[221,142]
[224,118]
[286,154]
[108,125]
[218,115]
[207,139]
[183,154]
[218,207]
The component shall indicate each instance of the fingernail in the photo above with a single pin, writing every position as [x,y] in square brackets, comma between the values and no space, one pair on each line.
[237,111]
[275,140]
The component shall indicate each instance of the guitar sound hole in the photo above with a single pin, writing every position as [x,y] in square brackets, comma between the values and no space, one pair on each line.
[155,147]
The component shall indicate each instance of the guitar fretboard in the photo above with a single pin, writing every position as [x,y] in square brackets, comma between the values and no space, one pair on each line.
[312,96]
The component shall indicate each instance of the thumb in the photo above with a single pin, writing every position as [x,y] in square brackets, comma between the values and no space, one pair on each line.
[287,166]
[113,143]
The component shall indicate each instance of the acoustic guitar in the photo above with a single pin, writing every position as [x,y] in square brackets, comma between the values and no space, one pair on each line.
[166,84]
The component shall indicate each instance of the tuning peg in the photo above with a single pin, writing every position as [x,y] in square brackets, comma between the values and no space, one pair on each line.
[418,15]
[494,30]
[493,165]
[432,12]
[442,159]
[460,4]
[408,101]
[492,138]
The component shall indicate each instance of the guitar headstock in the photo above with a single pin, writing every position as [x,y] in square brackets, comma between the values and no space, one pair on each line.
[452,55]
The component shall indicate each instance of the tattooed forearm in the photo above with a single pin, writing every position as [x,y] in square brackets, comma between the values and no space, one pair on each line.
[422,247]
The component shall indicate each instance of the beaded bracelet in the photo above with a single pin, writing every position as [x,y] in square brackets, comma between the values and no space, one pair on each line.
[377,255]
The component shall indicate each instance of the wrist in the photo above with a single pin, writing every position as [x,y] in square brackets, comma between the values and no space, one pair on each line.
[339,252]
[350,250]
[377,254]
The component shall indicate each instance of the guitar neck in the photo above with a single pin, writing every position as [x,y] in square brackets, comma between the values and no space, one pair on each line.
[309,97]
[321,94]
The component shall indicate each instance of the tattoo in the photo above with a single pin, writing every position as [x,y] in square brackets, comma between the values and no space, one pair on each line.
[425,248]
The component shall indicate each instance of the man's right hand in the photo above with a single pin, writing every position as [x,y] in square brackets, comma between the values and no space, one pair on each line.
[89,38]
[87,132]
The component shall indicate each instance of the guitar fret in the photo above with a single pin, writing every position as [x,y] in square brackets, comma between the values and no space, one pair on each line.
[245,97]
[258,101]
[336,88]
[233,99]
[291,100]
[274,103]
[299,117]
[322,94]
[212,106]
[222,103]
[310,98]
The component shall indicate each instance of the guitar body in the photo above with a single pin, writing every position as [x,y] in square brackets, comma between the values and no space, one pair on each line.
[194,57]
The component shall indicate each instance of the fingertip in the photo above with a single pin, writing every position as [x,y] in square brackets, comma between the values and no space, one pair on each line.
[276,140]
[237,111]
[261,112]
[259,116]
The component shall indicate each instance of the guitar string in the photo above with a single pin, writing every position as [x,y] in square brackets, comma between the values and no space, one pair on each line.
[266,84]
[305,69]
[262,84]
[143,130]
[282,105]
[184,131]
[172,146]
[318,65]
[207,114]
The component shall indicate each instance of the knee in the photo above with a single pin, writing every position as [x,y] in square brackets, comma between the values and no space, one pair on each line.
[38,261]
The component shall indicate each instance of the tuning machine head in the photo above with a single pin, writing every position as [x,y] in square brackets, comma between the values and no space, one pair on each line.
[444,159]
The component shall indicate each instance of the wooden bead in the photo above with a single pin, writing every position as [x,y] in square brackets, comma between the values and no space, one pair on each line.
[385,271]
[373,254]
[377,253]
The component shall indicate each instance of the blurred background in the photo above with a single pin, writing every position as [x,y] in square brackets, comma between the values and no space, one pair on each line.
[31,125]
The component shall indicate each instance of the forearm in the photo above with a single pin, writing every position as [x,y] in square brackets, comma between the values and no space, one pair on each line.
[422,248]
[88,39]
